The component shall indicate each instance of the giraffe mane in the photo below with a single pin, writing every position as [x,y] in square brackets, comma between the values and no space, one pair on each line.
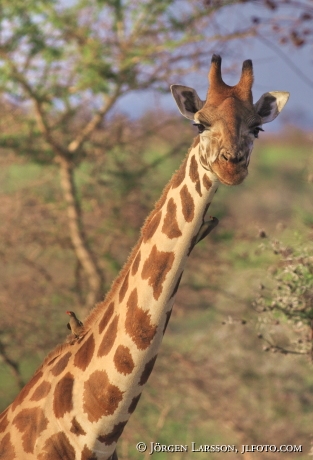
[57,351]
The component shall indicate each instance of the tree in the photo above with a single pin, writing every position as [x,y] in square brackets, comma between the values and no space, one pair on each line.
[67,66]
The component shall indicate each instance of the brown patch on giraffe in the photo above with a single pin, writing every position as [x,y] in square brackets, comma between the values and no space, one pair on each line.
[188,206]
[87,454]
[63,393]
[57,447]
[206,182]
[85,353]
[147,371]
[123,360]
[30,422]
[106,317]
[41,391]
[7,451]
[100,397]
[176,286]
[27,388]
[151,225]
[134,403]
[194,174]
[4,422]
[61,364]
[76,428]
[136,263]
[155,269]
[168,315]
[138,323]
[179,176]
[113,436]
[124,288]
[108,338]
[195,142]
[170,225]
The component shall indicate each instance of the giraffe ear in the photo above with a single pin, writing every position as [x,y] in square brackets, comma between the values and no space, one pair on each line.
[271,104]
[187,100]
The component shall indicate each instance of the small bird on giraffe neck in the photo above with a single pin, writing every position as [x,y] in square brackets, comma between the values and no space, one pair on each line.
[75,325]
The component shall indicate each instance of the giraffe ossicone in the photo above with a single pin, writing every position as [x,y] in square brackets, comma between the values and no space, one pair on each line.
[79,400]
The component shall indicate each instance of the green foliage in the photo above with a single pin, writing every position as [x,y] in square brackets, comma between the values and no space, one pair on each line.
[95,46]
[65,65]
[290,300]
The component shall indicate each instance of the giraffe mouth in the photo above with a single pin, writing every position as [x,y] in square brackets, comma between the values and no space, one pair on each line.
[230,183]
[231,176]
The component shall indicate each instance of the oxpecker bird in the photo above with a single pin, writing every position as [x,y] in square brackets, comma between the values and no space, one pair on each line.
[75,325]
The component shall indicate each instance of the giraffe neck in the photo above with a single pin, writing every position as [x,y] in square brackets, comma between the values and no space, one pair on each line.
[91,388]
[129,333]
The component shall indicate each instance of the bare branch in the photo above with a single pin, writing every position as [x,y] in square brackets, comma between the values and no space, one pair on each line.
[94,122]
[13,365]
[285,58]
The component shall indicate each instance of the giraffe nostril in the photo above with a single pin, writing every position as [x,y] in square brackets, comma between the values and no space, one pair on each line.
[232,158]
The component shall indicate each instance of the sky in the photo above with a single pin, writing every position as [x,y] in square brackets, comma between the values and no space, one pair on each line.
[276,68]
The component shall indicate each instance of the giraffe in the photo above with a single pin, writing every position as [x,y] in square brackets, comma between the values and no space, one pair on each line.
[79,400]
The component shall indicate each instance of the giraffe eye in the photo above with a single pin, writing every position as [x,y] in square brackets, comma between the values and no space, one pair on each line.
[256,131]
[200,127]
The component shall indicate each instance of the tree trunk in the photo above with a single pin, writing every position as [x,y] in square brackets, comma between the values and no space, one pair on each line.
[83,253]
[13,365]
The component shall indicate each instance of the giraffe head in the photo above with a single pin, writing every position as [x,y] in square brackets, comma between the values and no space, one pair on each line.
[228,121]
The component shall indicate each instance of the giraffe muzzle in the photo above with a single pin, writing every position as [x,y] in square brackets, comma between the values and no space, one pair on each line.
[232,171]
